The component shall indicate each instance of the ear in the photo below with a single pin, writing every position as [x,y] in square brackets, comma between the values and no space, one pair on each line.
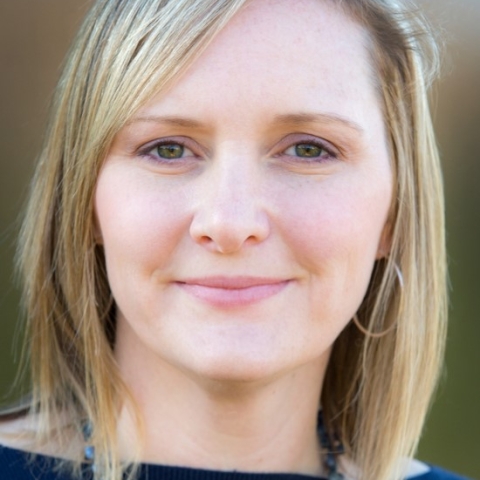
[97,232]
[385,242]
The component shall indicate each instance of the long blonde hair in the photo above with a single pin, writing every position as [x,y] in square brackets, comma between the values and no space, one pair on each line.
[377,390]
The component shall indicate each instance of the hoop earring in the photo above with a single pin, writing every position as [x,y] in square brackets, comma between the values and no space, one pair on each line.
[399,274]
[366,332]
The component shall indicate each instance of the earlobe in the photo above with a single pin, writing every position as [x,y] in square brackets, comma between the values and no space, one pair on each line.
[97,236]
[97,233]
[385,243]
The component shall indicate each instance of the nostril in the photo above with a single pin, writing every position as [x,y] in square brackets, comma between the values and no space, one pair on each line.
[228,235]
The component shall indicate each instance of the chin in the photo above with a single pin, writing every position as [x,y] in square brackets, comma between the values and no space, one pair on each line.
[239,370]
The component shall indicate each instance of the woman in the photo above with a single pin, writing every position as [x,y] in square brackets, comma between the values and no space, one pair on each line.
[236,223]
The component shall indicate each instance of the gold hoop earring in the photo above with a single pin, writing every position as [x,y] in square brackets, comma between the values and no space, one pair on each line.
[366,332]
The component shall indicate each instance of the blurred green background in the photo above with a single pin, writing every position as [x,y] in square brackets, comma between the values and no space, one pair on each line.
[34,36]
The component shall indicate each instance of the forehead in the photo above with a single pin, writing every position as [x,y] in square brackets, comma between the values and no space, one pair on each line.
[283,27]
[283,55]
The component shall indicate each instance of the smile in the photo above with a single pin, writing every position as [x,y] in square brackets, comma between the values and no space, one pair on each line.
[232,291]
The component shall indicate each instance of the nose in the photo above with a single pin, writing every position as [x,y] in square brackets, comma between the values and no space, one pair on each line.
[229,209]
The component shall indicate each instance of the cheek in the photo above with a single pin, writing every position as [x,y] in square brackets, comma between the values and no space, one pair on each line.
[334,229]
[140,224]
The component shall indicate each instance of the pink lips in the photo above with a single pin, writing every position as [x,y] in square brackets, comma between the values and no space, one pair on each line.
[232,291]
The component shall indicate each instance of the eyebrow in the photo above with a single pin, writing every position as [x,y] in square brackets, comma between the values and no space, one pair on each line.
[325,118]
[283,119]
[175,121]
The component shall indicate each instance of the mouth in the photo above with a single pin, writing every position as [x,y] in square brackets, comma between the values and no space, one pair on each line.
[231,292]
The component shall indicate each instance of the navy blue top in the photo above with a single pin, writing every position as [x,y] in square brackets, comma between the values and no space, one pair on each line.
[19,465]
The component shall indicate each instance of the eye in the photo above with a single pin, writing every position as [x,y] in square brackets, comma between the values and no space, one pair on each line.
[165,151]
[310,150]
[170,150]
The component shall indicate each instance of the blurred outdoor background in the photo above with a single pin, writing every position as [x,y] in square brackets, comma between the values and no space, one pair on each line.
[34,36]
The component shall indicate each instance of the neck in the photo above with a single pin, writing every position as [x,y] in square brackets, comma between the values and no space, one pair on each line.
[267,425]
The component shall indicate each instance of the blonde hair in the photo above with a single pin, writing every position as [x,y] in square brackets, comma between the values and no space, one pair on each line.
[377,390]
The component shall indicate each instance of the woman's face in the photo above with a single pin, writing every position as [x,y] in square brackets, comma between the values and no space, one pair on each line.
[242,210]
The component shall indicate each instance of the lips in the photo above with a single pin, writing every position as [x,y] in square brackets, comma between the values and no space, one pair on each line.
[232,291]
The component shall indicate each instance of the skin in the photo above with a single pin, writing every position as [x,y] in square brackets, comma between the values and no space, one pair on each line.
[229,378]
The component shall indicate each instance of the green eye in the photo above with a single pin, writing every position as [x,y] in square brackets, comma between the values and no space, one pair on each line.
[308,150]
[170,151]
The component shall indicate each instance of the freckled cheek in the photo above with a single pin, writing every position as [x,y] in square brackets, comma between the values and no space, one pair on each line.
[333,230]
[139,226]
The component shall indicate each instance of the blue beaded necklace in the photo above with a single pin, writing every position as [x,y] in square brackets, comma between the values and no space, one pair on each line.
[331,448]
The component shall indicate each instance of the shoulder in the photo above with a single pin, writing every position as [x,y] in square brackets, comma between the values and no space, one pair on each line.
[20,457]
[16,429]
[22,465]
[20,431]
[13,464]
[422,471]
[414,470]
[15,460]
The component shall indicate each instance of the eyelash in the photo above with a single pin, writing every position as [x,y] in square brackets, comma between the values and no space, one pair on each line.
[146,150]
[331,153]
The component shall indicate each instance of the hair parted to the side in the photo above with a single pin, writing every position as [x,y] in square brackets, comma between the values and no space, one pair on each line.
[377,390]
[125,51]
